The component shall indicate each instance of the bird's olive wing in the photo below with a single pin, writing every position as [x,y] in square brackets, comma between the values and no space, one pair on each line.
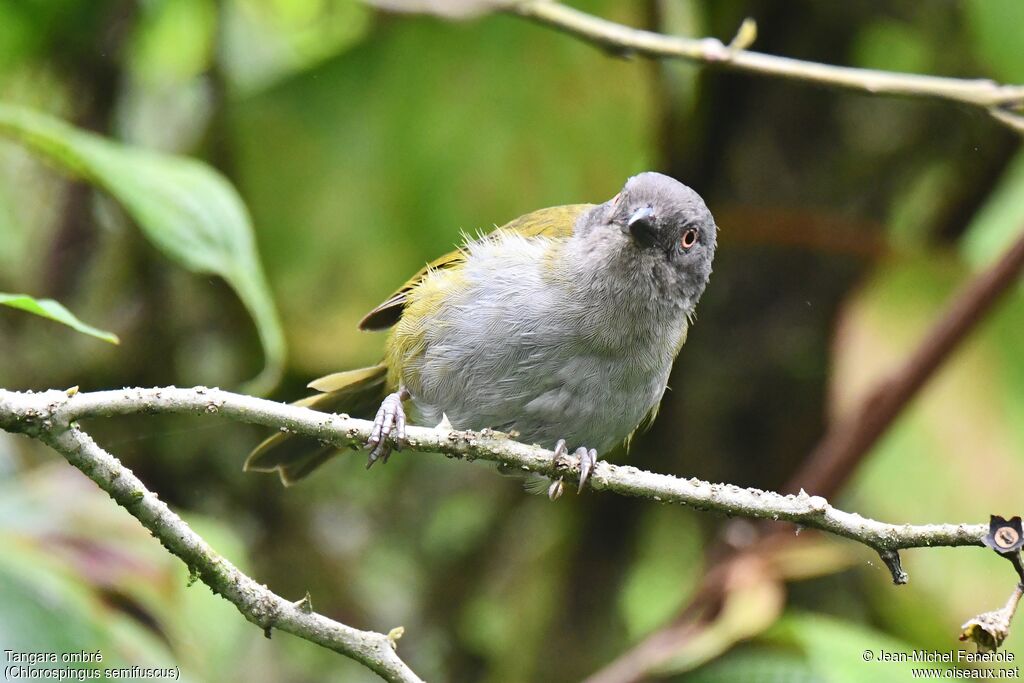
[556,221]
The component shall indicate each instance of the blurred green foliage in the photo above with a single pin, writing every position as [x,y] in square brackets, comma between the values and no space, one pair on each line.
[362,144]
[81,575]
[188,211]
[375,145]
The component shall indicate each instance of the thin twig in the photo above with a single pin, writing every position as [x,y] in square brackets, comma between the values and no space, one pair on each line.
[48,413]
[1002,102]
[988,630]
[39,416]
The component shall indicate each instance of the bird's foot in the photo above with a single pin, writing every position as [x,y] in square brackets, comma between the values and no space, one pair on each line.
[390,420]
[586,457]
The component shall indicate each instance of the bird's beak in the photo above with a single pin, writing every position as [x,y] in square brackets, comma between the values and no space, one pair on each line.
[642,226]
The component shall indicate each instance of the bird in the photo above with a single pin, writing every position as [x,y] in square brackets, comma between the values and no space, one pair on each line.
[560,327]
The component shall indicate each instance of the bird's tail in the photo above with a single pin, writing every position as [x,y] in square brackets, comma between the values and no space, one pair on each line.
[356,392]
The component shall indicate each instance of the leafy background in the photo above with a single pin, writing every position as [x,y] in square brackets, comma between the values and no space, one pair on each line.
[362,143]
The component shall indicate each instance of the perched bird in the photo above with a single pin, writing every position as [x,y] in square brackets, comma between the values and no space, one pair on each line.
[561,326]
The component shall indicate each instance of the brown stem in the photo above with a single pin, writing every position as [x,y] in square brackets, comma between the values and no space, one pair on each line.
[849,440]
[94,75]
[841,450]
[838,454]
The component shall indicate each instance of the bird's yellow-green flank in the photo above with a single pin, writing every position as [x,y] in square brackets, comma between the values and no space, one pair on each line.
[561,326]
[359,392]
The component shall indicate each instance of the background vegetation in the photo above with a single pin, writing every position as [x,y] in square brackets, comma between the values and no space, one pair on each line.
[362,143]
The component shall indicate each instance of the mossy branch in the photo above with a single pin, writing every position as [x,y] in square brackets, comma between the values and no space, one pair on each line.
[51,416]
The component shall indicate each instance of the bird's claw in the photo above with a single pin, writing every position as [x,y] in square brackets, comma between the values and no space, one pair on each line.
[587,458]
[388,431]
[557,485]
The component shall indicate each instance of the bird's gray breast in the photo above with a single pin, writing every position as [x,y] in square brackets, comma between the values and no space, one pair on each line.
[530,345]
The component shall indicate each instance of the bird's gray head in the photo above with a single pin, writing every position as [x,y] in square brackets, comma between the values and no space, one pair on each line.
[660,231]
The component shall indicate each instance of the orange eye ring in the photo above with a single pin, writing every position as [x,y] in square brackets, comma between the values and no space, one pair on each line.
[689,238]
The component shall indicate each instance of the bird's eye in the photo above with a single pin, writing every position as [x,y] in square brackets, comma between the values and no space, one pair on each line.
[689,239]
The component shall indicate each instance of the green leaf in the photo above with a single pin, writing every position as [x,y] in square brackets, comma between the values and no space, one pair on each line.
[188,210]
[68,551]
[266,42]
[761,665]
[892,45]
[665,572]
[995,28]
[48,308]
[997,224]
[845,652]
[173,41]
[957,452]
